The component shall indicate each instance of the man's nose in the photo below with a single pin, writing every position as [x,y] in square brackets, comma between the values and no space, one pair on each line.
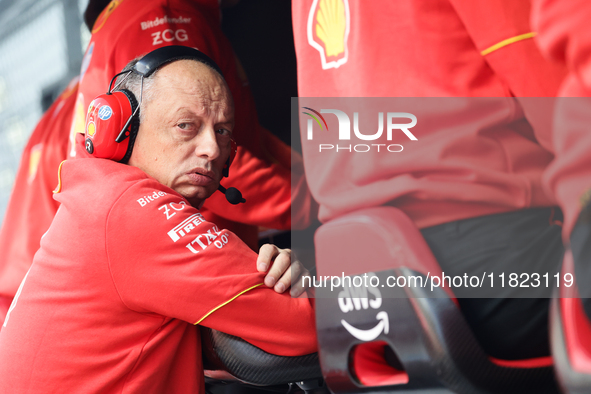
[207,144]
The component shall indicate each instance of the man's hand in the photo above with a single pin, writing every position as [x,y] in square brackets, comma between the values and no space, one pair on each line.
[283,269]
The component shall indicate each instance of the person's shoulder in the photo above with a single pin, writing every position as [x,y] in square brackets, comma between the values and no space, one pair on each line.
[100,180]
[142,191]
[88,169]
[120,14]
[135,193]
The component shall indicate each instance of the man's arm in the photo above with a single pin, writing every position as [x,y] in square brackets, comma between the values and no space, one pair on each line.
[165,259]
[501,32]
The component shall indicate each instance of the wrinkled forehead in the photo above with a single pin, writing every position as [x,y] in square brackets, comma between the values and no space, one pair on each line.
[190,83]
[192,77]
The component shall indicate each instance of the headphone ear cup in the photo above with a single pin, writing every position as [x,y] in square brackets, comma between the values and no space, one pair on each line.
[107,114]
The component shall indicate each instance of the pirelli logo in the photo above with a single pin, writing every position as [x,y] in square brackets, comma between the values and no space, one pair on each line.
[186,226]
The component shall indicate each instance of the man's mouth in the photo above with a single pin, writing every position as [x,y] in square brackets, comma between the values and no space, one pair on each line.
[201,177]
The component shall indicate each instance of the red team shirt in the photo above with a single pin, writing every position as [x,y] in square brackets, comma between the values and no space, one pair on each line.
[31,207]
[474,165]
[130,275]
[261,170]
[124,30]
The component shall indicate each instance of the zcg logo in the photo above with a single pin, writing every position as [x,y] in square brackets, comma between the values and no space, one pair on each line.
[169,35]
[345,130]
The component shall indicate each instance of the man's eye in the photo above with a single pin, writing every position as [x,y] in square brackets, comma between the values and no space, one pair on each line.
[224,132]
[183,126]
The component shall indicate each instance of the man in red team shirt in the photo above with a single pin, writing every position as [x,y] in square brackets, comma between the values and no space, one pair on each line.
[111,298]
[126,29]
[123,30]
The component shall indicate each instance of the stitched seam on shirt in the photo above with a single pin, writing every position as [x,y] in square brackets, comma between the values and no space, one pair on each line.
[132,370]
[226,303]
[508,41]
[59,178]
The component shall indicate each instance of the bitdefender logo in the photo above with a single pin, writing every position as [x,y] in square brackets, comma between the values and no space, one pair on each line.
[344,133]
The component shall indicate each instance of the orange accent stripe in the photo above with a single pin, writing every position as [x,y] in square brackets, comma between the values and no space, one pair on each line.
[59,179]
[227,302]
[508,41]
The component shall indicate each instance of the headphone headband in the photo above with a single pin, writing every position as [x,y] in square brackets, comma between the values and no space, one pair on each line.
[151,62]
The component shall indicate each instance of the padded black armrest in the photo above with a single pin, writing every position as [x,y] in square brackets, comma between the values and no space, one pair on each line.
[252,365]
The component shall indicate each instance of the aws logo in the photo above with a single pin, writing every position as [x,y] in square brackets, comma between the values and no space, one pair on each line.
[393,122]
[328,28]
[359,298]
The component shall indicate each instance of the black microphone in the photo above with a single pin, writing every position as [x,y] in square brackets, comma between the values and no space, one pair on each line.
[233,195]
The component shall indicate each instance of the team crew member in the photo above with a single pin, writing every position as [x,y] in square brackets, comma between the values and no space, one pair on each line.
[130,28]
[473,185]
[129,265]
[31,207]
[120,33]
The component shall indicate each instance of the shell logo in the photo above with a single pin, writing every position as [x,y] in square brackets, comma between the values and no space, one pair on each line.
[91,129]
[329,23]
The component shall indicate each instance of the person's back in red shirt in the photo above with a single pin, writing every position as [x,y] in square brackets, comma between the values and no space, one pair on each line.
[32,207]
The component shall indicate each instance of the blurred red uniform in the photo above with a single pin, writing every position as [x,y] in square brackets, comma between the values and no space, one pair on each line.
[129,28]
[477,163]
[442,48]
[566,38]
[32,207]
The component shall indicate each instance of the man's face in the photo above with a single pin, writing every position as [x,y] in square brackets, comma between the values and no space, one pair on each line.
[184,138]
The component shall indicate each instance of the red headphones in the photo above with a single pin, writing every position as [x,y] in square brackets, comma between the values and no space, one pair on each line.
[112,120]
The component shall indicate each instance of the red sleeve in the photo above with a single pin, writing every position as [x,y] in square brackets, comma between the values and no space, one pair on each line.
[501,32]
[565,37]
[31,207]
[569,175]
[166,259]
